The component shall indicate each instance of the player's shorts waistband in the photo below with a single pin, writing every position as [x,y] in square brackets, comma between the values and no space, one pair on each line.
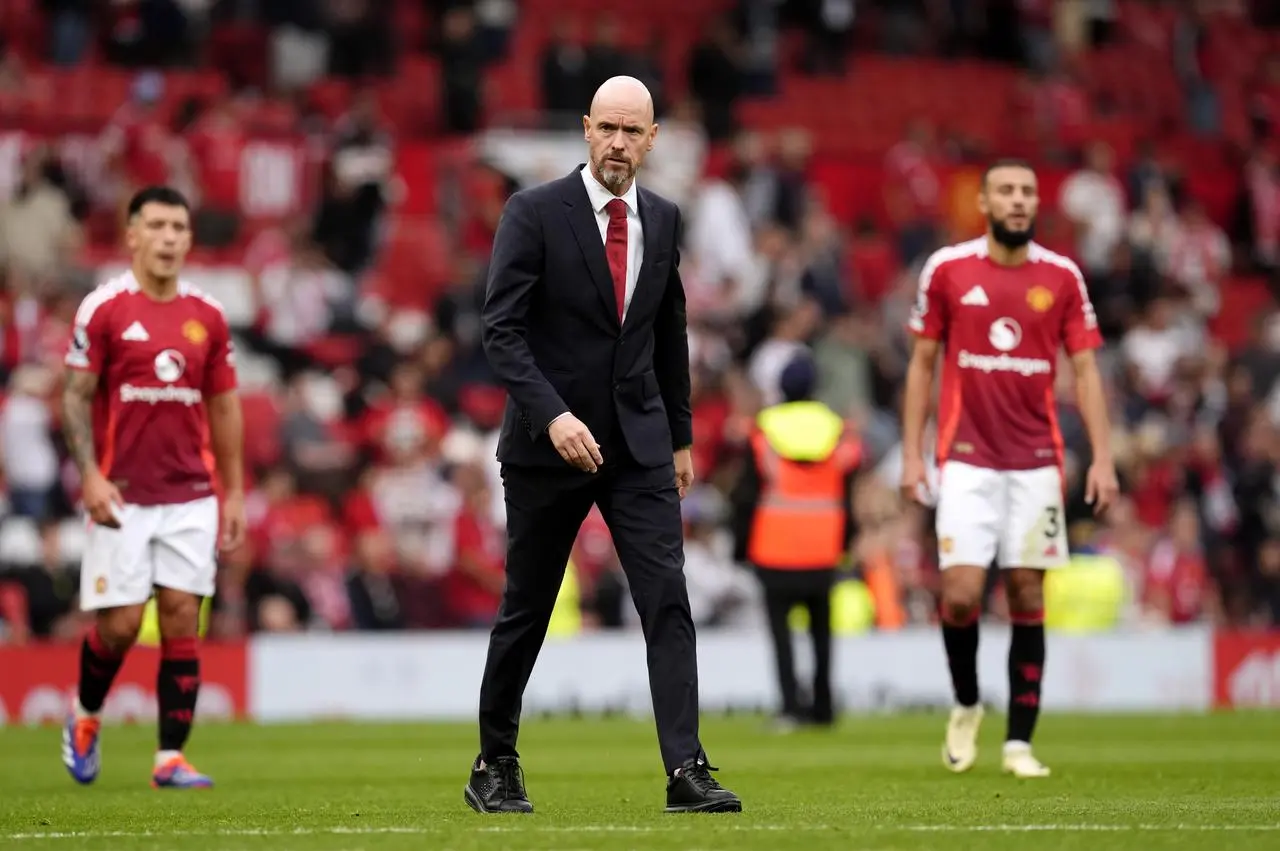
[1000,469]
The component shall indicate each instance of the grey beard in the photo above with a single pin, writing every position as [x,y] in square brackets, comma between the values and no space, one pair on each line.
[614,179]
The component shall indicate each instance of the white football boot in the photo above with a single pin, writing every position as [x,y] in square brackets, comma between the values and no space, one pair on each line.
[1019,761]
[960,750]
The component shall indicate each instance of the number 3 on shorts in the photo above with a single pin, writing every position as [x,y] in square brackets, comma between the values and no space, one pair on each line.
[1044,544]
[1051,528]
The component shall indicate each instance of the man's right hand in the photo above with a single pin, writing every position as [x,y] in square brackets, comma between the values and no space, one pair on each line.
[102,500]
[572,439]
[915,480]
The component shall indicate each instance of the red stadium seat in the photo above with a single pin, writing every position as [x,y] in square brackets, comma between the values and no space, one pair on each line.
[1243,301]
[244,48]
[331,96]
[262,436]
[335,350]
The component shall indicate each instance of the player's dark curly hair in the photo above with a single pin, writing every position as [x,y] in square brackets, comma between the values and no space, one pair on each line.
[165,195]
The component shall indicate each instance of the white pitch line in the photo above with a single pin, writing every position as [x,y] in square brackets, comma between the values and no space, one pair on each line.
[1079,828]
[677,826]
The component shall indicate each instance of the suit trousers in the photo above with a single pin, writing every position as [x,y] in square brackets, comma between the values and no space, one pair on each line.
[545,510]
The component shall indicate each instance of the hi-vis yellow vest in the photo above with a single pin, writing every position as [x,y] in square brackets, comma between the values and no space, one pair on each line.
[804,452]
[149,632]
[566,617]
[1086,595]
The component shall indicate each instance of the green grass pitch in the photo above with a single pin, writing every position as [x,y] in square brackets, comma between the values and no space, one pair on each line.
[1133,782]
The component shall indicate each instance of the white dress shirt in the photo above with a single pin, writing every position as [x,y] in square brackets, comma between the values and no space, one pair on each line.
[600,197]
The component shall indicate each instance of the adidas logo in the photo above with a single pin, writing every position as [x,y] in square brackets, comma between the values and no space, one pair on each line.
[136,333]
[976,297]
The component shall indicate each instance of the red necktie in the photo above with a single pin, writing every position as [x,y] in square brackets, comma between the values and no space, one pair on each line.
[615,248]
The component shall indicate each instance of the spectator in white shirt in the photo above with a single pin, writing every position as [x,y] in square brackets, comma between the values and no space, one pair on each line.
[1153,349]
[789,337]
[30,460]
[1200,259]
[1093,199]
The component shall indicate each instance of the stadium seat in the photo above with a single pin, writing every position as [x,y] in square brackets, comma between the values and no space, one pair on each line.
[331,96]
[14,606]
[243,47]
[335,350]
[1244,299]
[73,535]
[256,372]
[415,263]
[19,542]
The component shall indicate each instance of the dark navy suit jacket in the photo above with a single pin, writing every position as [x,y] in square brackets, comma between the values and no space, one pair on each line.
[552,335]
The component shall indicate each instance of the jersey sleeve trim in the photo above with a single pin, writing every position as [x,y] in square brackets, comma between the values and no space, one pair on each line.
[78,362]
[920,310]
[86,329]
[920,320]
[78,349]
[1088,317]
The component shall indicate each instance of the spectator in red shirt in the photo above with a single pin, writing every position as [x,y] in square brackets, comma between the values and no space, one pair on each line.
[710,412]
[912,190]
[599,573]
[1176,585]
[1264,99]
[1157,479]
[137,146]
[374,586]
[216,146]
[872,263]
[405,415]
[473,588]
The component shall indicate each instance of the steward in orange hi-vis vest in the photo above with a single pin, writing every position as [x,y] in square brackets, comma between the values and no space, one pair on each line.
[793,524]
[805,455]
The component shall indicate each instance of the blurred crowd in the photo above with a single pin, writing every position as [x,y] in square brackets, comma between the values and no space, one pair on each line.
[374,499]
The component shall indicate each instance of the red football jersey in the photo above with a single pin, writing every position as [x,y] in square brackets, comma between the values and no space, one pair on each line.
[1002,328]
[144,143]
[217,147]
[157,362]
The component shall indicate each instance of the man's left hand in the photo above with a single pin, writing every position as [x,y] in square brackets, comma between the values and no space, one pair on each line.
[233,522]
[684,471]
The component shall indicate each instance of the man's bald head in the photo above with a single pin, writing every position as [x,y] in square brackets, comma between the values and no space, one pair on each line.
[623,93]
[619,131]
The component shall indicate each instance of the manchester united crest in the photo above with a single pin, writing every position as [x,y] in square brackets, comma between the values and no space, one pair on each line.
[194,331]
[100,585]
[1040,299]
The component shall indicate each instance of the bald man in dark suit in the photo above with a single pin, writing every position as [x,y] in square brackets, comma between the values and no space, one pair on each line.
[584,324]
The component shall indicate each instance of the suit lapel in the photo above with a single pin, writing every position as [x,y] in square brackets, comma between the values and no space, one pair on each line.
[649,227]
[582,219]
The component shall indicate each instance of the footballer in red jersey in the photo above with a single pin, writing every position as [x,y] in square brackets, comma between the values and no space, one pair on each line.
[149,408]
[1001,308]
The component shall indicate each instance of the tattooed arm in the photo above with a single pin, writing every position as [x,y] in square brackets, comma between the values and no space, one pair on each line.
[77,418]
[100,497]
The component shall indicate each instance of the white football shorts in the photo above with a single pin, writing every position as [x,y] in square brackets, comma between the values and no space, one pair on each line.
[172,546]
[1013,516]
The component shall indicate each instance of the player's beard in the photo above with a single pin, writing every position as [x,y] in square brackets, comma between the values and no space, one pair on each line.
[615,174]
[1011,238]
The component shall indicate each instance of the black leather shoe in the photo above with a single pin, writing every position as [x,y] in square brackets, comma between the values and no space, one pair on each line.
[497,788]
[692,789]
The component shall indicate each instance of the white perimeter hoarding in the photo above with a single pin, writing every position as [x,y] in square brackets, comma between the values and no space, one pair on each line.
[437,676]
